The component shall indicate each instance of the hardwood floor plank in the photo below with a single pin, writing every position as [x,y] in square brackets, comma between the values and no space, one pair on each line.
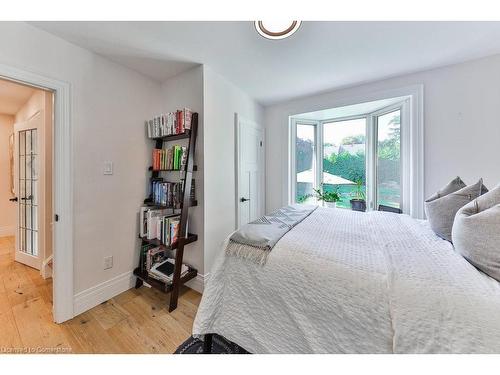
[88,336]
[9,336]
[136,321]
[35,326]
[185,314]
[108,314]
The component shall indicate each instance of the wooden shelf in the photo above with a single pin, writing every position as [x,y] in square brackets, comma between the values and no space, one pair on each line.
[192,203]
[189,239]
[173,137]
[164,287]
[187,202]
[195,168]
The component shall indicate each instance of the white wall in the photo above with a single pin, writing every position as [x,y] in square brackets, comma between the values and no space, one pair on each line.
[222,100]
[7,208]
[461,125]
[109,104]
[186,90]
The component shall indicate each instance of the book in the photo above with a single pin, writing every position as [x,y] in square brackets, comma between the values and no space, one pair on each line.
[154,256]
[164,271]
[188,117]
[168,194]
[152,218]
[143,223]
[174,158]
[169,123]
[143,255]
[174,230]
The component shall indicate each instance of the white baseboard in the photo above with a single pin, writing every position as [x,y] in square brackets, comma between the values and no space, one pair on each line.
[92,297]
[100,293]
[7,230]
[198,283]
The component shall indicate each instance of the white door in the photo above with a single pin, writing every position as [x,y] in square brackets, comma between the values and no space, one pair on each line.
[28,186]
[249,171]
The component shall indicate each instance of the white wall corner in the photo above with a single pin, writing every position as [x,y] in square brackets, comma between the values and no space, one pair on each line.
[198,283]
[9,230]
[100,293]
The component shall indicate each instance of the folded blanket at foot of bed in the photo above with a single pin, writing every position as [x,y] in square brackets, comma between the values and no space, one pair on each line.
[256,239]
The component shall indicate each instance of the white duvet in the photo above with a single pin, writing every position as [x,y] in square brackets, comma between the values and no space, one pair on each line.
[350,282]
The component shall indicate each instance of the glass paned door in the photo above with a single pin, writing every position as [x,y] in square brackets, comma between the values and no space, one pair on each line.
[28,182]
[388,159]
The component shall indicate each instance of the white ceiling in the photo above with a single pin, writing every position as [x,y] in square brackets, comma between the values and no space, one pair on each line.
[318,57]
[13,96]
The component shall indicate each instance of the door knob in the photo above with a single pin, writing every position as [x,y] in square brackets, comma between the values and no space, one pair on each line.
[243,199]
[13,199]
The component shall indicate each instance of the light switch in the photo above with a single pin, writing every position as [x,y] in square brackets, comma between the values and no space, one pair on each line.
[108,168]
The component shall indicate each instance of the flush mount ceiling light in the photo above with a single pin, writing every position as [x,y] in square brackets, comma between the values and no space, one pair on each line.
[276,29]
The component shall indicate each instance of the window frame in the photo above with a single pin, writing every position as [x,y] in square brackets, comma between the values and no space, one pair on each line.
[373,203]
[371,144]
[292,167]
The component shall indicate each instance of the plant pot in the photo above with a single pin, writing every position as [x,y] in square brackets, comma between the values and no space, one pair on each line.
[358,205]
[331,204]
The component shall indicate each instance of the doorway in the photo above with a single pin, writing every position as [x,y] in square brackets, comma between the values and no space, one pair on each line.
[249,171]
[26,204]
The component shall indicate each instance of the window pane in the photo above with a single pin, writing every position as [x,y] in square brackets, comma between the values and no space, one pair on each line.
[305,163]
[344,158]
[389,160]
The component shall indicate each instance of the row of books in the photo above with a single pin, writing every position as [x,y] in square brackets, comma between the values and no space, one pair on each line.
[151,255]
[159,224]
[174,158]
[169,194]
[169,123]
[155,262]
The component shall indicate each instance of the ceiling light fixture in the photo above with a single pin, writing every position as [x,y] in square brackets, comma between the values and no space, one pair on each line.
[275,29]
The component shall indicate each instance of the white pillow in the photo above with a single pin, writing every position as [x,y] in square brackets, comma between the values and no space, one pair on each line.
[476,232]
[442,207]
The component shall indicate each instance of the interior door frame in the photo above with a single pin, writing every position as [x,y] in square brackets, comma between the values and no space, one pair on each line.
[62,186]
[237,119]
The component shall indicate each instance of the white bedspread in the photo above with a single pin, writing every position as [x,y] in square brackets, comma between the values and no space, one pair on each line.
[351,282]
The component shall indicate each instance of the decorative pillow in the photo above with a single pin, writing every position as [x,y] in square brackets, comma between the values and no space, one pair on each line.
[476,233]
[451,187]
[441,209]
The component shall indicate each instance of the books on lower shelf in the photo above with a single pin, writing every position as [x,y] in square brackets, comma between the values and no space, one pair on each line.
[160,225]
[156,264]
[173,158]
[169,123]
[164,271]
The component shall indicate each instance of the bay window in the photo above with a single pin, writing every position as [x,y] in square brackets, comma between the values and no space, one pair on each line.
[360,154]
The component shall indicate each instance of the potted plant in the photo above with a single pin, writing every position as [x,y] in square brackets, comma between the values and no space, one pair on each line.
[329,197]
[358,203]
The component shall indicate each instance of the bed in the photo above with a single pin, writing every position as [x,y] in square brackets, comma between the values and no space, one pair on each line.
[349,282]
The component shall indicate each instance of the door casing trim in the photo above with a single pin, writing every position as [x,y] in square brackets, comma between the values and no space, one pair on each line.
[62,190]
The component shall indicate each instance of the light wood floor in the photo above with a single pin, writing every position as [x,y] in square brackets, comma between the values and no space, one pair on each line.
[136,321]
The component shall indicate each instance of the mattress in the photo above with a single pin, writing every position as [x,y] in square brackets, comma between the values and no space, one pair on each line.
[351,282]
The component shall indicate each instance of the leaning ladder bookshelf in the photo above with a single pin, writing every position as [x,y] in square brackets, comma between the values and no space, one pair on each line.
[187,202]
